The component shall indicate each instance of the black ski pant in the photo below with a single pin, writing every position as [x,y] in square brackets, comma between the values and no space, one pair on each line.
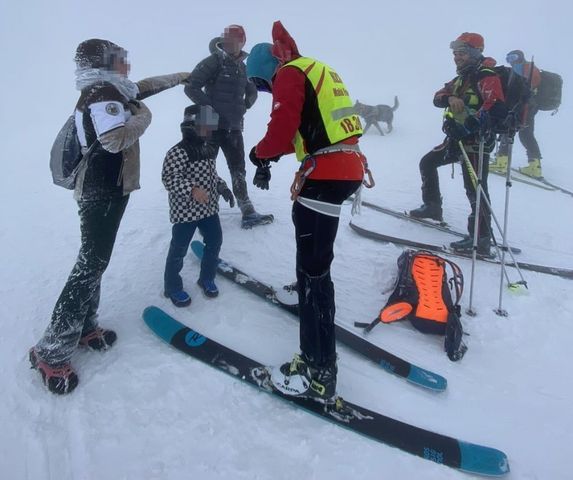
[76,309]
[448,153]
[315,234]
[231,142]
[526,137]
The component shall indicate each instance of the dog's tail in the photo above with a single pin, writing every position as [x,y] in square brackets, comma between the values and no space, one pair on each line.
[396,104]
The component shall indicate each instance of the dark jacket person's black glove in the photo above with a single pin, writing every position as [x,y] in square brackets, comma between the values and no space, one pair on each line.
[226,193]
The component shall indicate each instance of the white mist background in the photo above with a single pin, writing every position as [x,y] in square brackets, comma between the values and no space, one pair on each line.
[144,411]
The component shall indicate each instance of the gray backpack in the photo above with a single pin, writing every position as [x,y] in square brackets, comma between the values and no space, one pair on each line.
[66,156]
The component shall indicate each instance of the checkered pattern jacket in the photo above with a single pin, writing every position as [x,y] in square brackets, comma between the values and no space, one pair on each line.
[186,166]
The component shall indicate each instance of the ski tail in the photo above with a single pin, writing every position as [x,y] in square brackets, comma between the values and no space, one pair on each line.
[381,237]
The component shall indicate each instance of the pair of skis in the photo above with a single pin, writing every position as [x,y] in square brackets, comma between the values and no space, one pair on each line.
[439,448]
[436,447]
[381,237]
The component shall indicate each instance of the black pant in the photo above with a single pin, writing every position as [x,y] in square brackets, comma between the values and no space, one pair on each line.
[231,142]
[315,235]
[75,312]
[448,153]
[526,136]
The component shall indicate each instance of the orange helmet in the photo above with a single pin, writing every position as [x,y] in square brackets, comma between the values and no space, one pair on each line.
[467,39]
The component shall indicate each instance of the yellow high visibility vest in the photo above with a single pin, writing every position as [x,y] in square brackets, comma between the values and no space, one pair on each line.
[336,117]
[470,97]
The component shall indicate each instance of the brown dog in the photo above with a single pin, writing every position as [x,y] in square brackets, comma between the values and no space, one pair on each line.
[378,113]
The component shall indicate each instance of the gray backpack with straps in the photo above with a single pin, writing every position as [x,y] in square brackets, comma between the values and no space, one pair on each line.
[66,156]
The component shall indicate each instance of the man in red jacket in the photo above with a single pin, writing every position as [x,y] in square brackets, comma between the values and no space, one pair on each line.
[473,100]
[313,116]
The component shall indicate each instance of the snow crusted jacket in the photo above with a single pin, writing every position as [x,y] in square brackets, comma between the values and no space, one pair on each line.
[191,163]
[105,114]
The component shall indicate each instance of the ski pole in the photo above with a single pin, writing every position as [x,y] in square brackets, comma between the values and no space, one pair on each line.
[478,190]
[493,216]
[509,138]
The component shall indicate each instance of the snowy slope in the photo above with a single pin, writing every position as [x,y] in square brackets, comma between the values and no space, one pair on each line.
[144,411]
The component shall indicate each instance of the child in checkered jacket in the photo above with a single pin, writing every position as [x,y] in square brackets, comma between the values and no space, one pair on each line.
[190,177]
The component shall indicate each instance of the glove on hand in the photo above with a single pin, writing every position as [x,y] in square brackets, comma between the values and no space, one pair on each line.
[454,130]
[261,162]
[478,123]
[226,194]
[262,177]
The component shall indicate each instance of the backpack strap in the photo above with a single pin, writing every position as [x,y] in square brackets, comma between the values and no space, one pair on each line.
[454,346]
[457,281]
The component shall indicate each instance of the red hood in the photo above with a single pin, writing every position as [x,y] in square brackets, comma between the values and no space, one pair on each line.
[284,47]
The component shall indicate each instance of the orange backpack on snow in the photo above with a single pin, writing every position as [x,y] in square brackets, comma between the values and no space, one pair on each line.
[422,295]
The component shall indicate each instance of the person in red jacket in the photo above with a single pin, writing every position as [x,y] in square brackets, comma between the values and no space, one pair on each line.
[473,100]
[312,116]
[526,134]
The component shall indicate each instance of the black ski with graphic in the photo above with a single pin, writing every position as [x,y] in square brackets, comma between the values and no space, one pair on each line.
[432,446]
[557,271]
[389,362]
[442,226]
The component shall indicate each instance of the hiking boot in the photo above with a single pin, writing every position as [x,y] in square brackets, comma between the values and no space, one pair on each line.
[533,169]
[500,164]
[297,378]
[99,339]
[466,245]
[209,288]
[253,219]
[180,298]
[431,210]
[59,379]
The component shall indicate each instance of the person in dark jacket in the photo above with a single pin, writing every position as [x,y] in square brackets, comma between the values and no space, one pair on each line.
[110,113]
[473,100]
[526,134]
[220,81]
[190,177]
[323,131]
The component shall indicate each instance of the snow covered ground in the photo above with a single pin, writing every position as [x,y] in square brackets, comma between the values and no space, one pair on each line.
[143,410]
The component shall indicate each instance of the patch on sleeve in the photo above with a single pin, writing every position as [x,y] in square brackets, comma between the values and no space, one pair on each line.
[276,105]
[107,116]
[112,109]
